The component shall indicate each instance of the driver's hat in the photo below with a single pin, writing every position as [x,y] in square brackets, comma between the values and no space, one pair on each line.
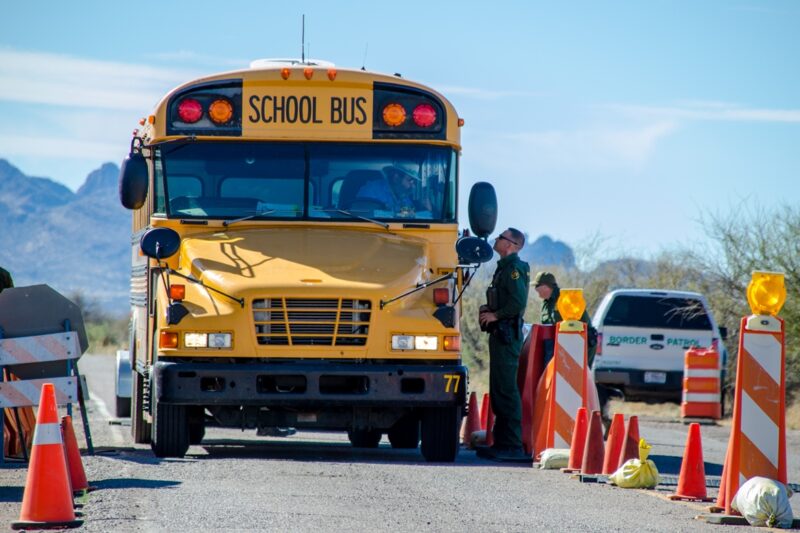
[397,169]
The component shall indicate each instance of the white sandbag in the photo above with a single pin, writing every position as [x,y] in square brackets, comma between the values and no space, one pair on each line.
[554,458]
[477,438]
[764,502]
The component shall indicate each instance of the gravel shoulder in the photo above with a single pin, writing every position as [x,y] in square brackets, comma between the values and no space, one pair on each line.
[316,481]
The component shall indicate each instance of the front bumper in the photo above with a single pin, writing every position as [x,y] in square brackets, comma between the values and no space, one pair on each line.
[632,381]
[309,384]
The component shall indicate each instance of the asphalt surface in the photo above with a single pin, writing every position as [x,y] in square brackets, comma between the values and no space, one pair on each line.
[236,481]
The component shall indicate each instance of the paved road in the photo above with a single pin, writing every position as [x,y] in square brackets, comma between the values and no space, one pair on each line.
[316,481]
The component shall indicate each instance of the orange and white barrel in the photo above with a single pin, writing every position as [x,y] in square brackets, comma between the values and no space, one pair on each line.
[570,380]
[565,385]
[702,391]
[757,445]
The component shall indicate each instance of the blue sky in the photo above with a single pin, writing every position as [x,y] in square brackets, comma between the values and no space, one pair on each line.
[624,120]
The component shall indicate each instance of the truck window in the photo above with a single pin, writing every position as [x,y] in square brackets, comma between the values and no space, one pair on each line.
[662,313]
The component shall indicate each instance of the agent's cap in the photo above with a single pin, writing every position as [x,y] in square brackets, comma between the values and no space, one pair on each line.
[545,278]
[396,169]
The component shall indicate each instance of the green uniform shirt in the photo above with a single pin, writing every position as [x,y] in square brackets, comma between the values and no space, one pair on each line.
[512,280]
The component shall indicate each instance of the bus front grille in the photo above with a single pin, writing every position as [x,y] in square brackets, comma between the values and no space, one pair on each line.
[311,321]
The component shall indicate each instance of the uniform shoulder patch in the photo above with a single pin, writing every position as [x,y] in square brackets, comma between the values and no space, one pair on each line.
[515,274]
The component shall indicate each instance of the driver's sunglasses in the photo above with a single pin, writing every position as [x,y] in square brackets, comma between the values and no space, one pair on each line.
[507,239]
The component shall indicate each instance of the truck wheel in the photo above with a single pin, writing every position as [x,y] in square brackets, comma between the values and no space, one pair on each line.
[197,425]
[404,434]
[122,408]
[440,430]
[170,429]
[140,428]
[726,401]
[122,405]
[365,438]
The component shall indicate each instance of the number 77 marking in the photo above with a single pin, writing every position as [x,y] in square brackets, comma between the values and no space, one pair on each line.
[453,380]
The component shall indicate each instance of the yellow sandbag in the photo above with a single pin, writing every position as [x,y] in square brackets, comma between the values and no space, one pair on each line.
[638,473]
[554,458]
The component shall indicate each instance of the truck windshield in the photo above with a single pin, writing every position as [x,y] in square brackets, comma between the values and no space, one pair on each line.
[306,181]
[662,313]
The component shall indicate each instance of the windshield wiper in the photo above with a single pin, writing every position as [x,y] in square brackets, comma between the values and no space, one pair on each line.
[384,225]
[227,223]
[175,144]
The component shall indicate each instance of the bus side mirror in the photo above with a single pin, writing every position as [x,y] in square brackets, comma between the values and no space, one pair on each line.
[723,332]
[482,209]
[160,243]
[472,250]
[133,181]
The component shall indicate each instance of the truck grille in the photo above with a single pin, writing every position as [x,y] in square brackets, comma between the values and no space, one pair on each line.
[311,321]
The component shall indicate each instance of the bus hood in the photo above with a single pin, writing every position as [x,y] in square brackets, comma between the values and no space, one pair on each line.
[303,260]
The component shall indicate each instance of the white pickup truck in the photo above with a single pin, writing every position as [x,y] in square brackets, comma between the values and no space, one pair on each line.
[643,335]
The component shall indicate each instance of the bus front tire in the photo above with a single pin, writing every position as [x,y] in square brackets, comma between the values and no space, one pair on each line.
[170,430]
[440,432]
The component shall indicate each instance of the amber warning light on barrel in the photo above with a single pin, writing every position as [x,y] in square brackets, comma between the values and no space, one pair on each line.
[766,293]
[571,304]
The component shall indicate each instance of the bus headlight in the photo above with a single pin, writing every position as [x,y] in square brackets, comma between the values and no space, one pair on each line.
[195,340]
[415,342]
[207,340]
[426,342]
[402,342]
[219,340]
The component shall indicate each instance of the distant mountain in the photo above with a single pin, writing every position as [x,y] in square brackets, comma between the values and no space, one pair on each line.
[75,242]
[545,252]
[21,195]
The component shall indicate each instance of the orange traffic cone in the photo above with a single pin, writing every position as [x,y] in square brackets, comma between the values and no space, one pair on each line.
[722,496]
[473,421]
[485,410]
[578,441]
[77,475]
[47,500]
[614,444]
[489,425]
[593,449]
[630,450]
[692,481]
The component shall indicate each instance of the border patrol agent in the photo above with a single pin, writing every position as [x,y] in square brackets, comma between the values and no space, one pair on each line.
[5,279]
[501,317]
[548,290]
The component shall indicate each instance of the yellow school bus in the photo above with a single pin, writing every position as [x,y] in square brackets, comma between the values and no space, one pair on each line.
[296,260]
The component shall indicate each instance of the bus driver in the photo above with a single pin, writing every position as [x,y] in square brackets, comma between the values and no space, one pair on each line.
[395,192]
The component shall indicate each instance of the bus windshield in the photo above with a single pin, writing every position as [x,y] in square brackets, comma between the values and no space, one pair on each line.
[306,181]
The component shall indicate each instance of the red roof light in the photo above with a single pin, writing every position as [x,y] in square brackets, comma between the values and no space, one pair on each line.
[190,110]
[424,115]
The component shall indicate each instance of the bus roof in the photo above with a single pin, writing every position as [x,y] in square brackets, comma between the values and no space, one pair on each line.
[290,99]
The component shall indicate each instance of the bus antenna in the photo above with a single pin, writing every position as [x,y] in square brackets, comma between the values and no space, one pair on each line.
[364,63]
[303,41]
